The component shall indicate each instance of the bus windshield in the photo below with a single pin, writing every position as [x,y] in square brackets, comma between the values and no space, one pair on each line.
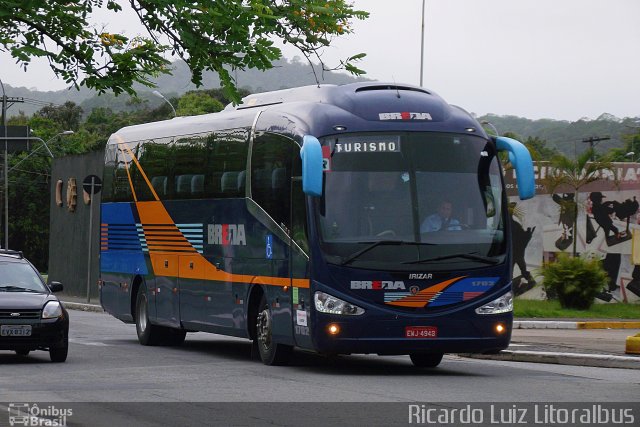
[411,198]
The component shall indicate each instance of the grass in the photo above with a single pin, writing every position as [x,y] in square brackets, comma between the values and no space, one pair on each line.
[551,309]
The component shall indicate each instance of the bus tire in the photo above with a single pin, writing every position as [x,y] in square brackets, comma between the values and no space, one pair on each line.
[148,334]
[426,360]
[271,353]
[175,337]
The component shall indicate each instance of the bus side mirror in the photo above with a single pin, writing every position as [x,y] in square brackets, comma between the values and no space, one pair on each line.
[311,155]
[521,160]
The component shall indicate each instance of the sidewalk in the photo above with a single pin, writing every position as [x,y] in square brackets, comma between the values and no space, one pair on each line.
[80,303]
[548,343]
[580,342]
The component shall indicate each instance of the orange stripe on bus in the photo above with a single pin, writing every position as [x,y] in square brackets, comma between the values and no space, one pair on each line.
[166,263]
[422,298]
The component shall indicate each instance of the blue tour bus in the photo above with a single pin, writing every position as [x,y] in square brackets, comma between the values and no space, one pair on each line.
[305,218]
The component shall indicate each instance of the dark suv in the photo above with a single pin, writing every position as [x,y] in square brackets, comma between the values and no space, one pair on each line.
[31,317]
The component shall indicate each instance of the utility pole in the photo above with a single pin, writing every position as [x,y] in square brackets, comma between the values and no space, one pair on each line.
[593,140]
[422,46]
[5,107]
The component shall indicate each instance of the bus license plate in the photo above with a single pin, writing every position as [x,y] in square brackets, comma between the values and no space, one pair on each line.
[420,332]
[15,330]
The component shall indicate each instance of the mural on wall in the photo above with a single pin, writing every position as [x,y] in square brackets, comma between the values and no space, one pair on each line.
[607,226]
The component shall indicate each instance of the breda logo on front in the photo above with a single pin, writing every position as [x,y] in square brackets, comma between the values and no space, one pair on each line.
[226,234]
[377,284]
[405,115]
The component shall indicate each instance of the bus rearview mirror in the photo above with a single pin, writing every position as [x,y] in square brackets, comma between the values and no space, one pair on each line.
[521,160]
[311,155]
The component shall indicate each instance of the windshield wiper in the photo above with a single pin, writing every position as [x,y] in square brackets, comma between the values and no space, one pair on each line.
[11,288]
[372,245]
[472,256]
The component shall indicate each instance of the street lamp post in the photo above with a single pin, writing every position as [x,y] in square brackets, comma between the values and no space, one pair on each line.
[6,166]
[44,144]
[159,95]
[631,154]
[493,128]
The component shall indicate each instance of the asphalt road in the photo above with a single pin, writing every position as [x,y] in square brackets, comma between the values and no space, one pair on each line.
[106,364]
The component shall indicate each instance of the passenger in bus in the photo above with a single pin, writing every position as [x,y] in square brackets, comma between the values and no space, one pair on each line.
[441,220]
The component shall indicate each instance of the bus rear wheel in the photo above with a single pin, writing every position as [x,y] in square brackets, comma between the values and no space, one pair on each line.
[271,353]
[426,360]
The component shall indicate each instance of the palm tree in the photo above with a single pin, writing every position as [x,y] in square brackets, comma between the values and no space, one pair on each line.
[574,174]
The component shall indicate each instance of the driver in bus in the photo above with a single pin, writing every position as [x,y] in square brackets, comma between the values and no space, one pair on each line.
[441,220]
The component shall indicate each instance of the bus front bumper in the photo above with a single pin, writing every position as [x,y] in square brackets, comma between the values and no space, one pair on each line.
[478,334]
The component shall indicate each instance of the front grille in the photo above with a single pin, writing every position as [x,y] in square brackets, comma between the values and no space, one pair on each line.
[23,314]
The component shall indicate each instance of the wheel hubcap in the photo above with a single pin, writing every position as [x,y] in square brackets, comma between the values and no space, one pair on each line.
[142,315]
[264,329]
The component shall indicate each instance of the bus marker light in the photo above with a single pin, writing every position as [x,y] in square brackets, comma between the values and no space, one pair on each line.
[333,329]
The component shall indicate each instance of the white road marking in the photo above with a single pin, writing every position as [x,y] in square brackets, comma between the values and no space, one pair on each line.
[92,343]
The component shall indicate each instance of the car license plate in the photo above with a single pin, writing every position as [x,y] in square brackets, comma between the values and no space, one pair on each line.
[15,330]
[420,332]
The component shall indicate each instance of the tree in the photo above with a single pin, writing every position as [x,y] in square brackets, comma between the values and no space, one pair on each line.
[194,103]
[572,175]
[67,115]
[216,35]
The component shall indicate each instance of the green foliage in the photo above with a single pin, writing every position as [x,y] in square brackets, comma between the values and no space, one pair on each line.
[575,280]
[216,36]
[552,309]
[195,103]
[66,116]
[566,136]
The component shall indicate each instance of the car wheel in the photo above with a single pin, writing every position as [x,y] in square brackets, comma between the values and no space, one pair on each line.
[23,352]
[58,353]
[148,334]
[271,353]
[426,360]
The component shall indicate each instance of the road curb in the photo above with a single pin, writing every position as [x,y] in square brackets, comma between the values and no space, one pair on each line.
[82,307]
[576,359]
[560,324]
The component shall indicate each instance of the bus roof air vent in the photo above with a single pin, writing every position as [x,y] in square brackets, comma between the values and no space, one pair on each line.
[391,87]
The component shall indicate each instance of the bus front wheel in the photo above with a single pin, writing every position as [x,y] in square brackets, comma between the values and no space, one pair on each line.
[426,360]
[148,334]
[271,353]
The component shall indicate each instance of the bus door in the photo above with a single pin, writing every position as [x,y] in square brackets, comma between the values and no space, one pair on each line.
[299,255]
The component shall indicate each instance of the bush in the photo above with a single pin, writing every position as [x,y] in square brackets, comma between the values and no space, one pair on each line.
[574,280]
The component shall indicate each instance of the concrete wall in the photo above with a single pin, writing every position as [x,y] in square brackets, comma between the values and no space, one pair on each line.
[69,231]
[608,227]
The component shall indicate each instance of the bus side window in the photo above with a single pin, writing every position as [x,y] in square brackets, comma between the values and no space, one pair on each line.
[271,162]
[155,159]
[298,205]
[109,172]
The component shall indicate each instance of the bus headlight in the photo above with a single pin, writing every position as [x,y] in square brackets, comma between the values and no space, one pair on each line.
[326,303]
[52,310]
[504,304]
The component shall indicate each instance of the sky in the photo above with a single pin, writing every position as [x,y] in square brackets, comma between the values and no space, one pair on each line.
[562,60]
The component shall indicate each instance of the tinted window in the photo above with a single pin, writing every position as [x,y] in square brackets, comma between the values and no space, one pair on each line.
[271,170]
[210,165]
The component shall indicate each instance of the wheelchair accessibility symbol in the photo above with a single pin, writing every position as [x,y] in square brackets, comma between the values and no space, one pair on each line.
[269,246]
